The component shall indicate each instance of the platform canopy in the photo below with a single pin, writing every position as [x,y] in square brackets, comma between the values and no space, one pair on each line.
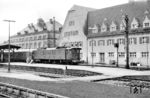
[5,46]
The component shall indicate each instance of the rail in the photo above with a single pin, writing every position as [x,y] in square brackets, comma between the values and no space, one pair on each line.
[13,91]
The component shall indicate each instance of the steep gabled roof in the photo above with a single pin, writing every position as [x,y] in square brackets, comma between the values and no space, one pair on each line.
[114,13]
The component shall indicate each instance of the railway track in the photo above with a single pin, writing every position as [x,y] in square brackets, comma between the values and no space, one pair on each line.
[12,91]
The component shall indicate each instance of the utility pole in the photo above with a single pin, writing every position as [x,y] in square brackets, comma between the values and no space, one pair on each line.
[127,40]
[9,43]
[54,31]
[92,52]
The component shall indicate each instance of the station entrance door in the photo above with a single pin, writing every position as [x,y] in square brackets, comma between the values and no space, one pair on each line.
[102,57]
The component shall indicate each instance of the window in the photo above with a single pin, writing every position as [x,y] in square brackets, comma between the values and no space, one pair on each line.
[44,37]
[23,39]
[146,22]
[39,44]
[132,40]
[92,43]
[27,39]
[39,38]
[80,44]
[104,28]
[144,40]
[110,42]
[30,38]
[71,23]
[93,54]
[26,45]
[35,46]
[121,54]
[122,27]
[121,41]
[134,23]
[30,45]
[35,37]
[81,55]
[101,43]
[133,54]
[113,26]
[145,54]
[111,54]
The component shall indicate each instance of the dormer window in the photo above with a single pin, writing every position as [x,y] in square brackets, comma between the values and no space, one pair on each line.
[113,26]
[146,22]
[104,28]
[134,23]
[122,26]
[95,29]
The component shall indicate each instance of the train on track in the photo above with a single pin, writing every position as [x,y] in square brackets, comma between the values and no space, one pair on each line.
[59,55]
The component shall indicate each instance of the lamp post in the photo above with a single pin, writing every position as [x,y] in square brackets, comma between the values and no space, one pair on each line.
[9,43]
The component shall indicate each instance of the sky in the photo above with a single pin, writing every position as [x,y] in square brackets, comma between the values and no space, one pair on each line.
[25,12]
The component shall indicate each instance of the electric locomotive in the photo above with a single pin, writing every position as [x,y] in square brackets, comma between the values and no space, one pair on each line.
[60,55]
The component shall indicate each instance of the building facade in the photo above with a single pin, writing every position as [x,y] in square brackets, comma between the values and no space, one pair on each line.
[74,30]
[107,27]
[38,35]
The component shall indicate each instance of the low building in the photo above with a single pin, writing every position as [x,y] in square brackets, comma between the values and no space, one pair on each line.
[106,27]
[40,35]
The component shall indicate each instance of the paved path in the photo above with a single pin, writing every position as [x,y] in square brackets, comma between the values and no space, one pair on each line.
[106,71]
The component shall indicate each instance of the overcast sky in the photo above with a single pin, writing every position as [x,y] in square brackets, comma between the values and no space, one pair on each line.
[28,11]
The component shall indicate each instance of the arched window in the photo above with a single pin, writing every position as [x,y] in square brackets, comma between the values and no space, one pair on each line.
[92,43]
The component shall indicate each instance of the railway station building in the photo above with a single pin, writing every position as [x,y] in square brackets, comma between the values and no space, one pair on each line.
[74,31]
[40,35]
[106,27]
